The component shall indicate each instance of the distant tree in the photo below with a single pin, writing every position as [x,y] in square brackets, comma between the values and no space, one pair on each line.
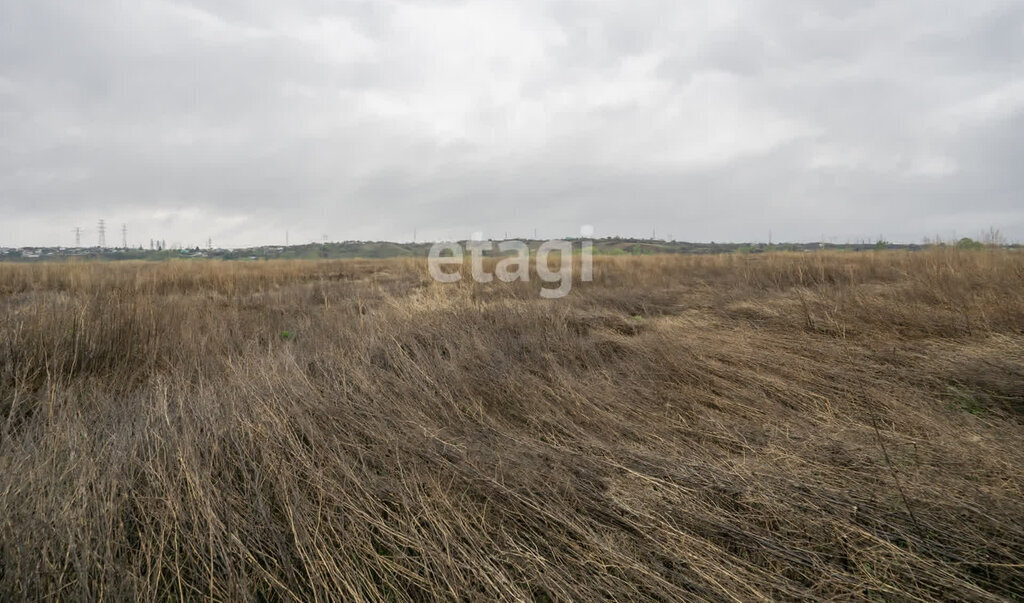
[968,243]
[993,238]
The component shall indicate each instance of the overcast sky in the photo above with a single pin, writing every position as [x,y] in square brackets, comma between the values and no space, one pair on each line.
[239,121]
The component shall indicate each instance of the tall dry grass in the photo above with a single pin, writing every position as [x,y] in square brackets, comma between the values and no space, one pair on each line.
[791,426]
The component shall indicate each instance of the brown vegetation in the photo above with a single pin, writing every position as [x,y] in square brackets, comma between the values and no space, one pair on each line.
[804,426]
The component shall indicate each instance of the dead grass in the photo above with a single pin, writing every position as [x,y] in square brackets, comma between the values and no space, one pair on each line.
[791,426]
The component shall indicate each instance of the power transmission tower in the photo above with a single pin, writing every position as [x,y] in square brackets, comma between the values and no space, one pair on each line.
[101,236]
[78,236]
[124,236]
[209,243]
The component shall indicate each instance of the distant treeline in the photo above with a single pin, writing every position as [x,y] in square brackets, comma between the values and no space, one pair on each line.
[388,249]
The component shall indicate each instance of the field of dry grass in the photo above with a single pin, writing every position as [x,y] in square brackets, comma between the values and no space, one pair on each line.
[804,426]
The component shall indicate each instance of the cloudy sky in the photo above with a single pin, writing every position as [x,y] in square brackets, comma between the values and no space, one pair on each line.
[239,121]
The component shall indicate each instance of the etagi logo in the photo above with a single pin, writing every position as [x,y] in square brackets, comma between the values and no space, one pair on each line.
[517,266]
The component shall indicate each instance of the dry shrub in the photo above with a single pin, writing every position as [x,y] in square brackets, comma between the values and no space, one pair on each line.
[794,426]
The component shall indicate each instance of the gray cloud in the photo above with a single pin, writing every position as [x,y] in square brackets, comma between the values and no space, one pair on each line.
[708,121]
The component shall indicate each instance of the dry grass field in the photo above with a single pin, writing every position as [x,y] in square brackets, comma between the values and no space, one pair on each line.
[781,426]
